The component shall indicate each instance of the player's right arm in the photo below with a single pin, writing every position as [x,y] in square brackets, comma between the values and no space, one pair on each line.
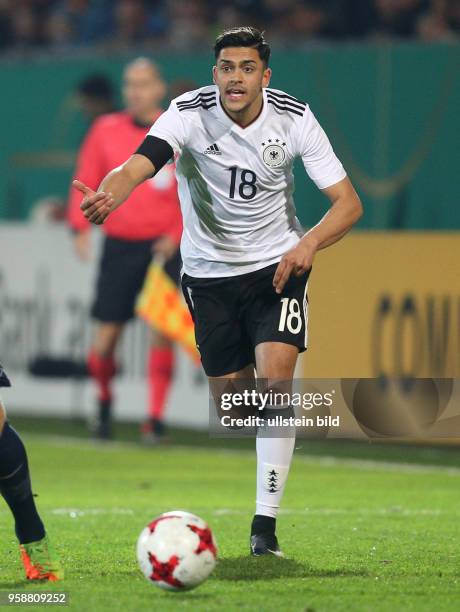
[115,188]
[166,136]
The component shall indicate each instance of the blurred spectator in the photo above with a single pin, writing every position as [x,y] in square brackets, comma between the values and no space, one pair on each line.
[231,14]
[79,22]
[130,22]
[359,18]
[6,30]
[189,26]
[441,21]
[228,17]
[183,24]
[451,14]
[25,27]
[309,20]
[398,17]
[59,32]
[157,17]
[95,96]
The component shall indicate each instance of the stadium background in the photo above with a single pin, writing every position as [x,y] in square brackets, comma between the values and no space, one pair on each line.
[387,97]
[382,77]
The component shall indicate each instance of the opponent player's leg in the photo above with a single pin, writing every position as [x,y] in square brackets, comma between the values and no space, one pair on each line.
[40,561]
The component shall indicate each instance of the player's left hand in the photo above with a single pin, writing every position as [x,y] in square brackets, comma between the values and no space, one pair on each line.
[296,261]
[164,246]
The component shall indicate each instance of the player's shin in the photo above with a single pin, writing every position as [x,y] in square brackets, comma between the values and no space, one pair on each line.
[275,446]
[15,486]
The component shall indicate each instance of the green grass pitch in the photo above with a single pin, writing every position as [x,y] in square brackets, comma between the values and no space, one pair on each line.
[358,534]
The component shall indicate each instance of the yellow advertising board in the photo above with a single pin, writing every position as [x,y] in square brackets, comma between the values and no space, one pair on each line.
[385,304]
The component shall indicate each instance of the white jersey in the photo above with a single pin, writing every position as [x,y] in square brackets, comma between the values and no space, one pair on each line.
[236,184]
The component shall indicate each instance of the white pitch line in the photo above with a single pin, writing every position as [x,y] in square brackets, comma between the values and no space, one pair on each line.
[383,466]
[399,512]
[79,512]
[396,511]
[75,513]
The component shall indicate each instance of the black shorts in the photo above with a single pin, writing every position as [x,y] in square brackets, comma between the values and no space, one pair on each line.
[234,314]
[122,271]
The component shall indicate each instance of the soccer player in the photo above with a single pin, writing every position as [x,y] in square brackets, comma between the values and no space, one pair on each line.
[150,223]
[39,559]
[246,259]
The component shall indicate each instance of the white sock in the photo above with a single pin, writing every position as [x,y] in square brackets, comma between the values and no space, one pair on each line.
[274,457]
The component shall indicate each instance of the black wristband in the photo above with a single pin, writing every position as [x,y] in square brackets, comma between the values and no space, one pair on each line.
[157,150]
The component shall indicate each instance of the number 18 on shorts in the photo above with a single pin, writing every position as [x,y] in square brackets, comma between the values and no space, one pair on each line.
[233,315]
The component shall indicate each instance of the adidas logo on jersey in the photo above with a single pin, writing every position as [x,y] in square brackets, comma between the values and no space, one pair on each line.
[213,150]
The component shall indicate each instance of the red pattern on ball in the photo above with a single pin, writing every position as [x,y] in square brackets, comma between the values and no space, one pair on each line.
[154,523]
[163,572]
[206,541]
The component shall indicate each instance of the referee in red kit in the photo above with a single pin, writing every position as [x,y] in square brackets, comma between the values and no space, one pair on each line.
[150,223]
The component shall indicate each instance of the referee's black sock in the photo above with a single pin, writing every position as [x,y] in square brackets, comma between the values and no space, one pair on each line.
[15,487]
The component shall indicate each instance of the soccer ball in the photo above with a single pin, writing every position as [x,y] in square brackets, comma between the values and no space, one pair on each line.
[176,551]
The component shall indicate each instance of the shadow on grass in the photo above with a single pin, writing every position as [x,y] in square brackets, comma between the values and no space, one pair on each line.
[270,567]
